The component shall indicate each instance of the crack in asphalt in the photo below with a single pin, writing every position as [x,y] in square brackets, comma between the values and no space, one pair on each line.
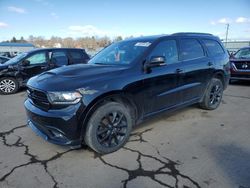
[33,158]
[169,167]
[6,133]
[139,134]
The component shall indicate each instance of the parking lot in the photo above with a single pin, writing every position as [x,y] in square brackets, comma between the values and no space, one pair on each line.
[188,148]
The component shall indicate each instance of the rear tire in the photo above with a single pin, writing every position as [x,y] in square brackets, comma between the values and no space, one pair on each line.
[213,95]
[109,127]
[8,85]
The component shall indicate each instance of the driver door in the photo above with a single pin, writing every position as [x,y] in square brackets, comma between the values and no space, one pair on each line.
[36,64]
[161,83]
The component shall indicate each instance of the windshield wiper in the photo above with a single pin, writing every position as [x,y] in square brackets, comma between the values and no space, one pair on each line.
[99,63]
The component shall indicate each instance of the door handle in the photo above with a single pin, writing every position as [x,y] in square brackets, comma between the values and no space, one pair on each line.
[179,71]
[43,68]
[210,64]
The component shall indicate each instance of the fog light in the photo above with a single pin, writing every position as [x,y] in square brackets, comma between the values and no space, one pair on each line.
[57,134]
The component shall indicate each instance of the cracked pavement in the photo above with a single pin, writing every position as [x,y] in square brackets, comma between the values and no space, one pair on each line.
[191,148]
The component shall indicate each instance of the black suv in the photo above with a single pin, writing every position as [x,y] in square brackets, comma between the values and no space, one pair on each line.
[98,103]
[16,72]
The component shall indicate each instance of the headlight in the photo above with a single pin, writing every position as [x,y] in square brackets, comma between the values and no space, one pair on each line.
[64,97]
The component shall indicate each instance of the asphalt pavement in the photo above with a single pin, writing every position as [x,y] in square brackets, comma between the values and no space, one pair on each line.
[188,148]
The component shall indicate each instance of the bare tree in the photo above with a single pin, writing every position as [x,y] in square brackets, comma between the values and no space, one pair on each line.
[89,43]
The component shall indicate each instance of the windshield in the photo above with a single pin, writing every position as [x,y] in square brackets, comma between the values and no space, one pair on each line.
[243,54]
[120,53]
[16,59]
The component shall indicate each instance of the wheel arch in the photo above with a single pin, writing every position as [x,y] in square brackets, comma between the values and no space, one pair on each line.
[217,74]
[220,75]
[7,76]
[117,96]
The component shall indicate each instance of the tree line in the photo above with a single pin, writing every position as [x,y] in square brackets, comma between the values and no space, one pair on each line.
[90,43]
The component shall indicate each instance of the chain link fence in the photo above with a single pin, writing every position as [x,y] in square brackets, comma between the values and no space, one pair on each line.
[236,45]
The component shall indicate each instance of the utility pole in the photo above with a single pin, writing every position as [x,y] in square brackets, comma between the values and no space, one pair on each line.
[227,33]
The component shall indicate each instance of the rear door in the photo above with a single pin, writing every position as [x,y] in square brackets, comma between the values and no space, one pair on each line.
[215,51]
[195,70]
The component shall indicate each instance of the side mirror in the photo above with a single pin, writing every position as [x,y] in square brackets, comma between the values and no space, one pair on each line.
[26,63]
[156,61]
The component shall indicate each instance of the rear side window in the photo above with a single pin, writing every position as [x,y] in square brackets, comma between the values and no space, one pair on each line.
[85,55]
[59,58]
[76,55]
[213,47]
[168,49]
[190,49]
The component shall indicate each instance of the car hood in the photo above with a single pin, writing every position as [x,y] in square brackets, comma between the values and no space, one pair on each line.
[73,77]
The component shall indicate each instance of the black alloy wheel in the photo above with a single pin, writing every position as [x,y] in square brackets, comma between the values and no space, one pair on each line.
[112,129]
[109,127]
[213,95]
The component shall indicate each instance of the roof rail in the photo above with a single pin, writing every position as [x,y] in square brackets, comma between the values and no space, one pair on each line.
[191,34]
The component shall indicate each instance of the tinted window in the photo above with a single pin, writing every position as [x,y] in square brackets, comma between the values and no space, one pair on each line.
[85,55]
[76,55]
[168,49]
[59,58]
[38,58]
[190,49]
[213,47]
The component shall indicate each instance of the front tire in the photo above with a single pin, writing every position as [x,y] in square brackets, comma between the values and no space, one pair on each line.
[8,85]
[213,95]
[109,127]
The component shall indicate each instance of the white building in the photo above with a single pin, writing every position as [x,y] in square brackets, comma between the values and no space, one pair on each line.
[15,48]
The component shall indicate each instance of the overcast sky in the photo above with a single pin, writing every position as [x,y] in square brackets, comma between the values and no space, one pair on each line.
[80,18]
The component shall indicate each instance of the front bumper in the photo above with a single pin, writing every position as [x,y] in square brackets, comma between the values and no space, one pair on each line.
[239,74]
[61,126]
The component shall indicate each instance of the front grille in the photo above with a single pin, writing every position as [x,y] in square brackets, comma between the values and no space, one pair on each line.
[242,65]
[39,98]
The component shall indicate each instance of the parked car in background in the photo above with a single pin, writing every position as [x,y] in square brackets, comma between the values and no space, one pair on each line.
[11,49]
[16,72]
[3,59]
[99,103]
[240,64]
